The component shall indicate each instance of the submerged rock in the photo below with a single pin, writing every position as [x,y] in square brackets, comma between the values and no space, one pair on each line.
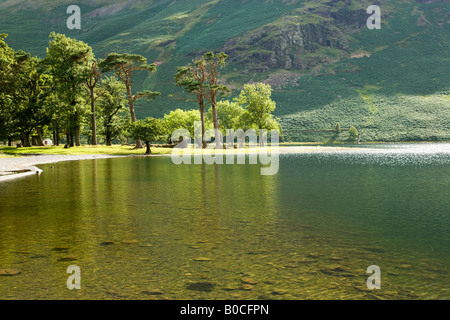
[38,256]
[247,286]
[229,288]
[61,249]
[278,292]
[337,270]
[336,258]
[69,258]
[9,272]
[248,280]
[200,286]
[202,259]
[107,243]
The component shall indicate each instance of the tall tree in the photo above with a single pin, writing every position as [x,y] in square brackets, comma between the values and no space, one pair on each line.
[112,102]
[202,79]
[256,99]
[66,61]
[31,94]
[7,129]
[213,88]
[192,78]
[93,76]
[124,65]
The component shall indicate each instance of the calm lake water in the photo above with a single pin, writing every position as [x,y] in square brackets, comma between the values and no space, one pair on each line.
[144,228]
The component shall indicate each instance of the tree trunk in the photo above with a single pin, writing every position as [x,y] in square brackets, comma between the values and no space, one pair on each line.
[26,140]
[67,140]
[9,142]
[77,137]
[217,133]
[39,141]
[71,140]
[133,114]
[108,135]
[93,119]
[261,142]
[54,136]
[202,118]
[58,139]
[148,151]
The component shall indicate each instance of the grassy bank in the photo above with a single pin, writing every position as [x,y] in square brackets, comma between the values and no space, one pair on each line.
[83,150]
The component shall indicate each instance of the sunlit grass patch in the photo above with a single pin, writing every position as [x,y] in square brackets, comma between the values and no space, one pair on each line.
[88,150]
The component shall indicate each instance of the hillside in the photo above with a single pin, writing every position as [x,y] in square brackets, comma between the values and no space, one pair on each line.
[325,65]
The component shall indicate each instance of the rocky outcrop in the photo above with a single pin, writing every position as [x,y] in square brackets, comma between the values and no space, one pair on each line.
[299,41]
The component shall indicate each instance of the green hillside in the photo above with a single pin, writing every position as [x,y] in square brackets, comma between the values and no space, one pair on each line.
[324,64]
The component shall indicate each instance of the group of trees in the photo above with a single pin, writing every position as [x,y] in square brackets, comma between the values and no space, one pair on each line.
[71,93]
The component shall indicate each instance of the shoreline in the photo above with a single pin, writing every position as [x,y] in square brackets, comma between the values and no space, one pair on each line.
[24,165]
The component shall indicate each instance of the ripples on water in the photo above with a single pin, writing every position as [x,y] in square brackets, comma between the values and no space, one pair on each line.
[386,154]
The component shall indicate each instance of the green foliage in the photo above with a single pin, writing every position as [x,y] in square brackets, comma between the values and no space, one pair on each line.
[256,99]
[124,63]
[123,66]
[68,62]
[353,133]
[399,93]
[6,58]
[212,86]
[31,95]
[337,129]
[6,85]
[181,119]
[230,115]
[112,109]
[148,130]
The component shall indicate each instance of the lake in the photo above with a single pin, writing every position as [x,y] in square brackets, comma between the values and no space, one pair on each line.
[144,228]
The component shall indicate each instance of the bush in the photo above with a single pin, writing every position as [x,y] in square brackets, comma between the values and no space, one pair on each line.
[353,134]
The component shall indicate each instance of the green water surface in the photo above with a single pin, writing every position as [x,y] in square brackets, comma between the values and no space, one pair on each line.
[144,228]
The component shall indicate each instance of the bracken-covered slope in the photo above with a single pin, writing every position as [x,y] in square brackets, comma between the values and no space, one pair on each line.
[323,62]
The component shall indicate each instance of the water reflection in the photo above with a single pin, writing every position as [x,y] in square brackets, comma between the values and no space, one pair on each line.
[143,228]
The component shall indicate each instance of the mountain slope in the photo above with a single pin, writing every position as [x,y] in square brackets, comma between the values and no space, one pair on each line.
[323,62]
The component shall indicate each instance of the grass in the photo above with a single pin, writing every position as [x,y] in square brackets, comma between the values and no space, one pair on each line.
[83,150]
[11,152]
